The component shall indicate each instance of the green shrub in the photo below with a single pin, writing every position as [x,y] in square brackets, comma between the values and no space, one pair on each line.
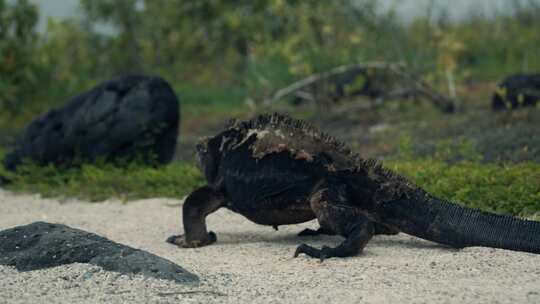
[18,68]
[97,182]
[509,189]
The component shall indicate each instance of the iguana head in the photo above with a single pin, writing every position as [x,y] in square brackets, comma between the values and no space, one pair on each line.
[210,150]
[208,158]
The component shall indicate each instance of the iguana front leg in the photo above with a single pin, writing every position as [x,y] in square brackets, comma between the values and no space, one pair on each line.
[332,212]
[197,206]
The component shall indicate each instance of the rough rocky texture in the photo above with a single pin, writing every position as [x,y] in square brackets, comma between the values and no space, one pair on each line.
[515,91]
[43,245]
[276,171]
[130,116]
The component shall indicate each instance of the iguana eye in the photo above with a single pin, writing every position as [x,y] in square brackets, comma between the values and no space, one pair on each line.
[202,146]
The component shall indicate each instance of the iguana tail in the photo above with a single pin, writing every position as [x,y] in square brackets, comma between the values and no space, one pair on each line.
[447,223]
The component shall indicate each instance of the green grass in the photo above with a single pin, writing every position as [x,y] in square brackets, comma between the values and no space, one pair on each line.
[101,182]
[506,189]
[510,189]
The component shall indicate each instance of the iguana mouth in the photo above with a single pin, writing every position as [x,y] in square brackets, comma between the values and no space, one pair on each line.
[202,145]
[201,148]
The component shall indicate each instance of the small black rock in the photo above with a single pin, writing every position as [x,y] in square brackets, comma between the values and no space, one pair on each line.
[43,245]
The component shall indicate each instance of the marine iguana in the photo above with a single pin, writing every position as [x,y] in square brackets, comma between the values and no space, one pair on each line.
[275,170]
[515,91]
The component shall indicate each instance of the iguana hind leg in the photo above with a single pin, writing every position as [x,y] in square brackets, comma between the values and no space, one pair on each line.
[379,230]
[311,232]
[197,206]
[332,212]
[354,243]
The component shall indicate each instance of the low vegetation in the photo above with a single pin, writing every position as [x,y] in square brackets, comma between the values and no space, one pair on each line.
[98,182]
[507,189]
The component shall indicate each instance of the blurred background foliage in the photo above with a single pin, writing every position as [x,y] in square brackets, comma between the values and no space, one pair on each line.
[218,52]
[222,57]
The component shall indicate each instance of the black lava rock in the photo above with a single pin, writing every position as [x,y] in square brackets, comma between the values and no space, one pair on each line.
[515,91]
[43,245]
[121,119]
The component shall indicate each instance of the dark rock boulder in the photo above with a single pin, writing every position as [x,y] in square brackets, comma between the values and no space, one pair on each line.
[515,91]
[124,118]
[43,245]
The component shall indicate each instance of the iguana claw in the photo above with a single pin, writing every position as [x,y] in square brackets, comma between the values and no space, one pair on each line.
[180,241]
[321,254]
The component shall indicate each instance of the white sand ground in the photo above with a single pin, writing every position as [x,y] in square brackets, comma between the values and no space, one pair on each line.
[254,264]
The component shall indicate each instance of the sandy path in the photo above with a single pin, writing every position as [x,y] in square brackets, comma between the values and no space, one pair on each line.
[254,264]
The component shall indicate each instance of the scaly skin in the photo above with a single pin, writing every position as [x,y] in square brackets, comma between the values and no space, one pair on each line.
[275,170]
